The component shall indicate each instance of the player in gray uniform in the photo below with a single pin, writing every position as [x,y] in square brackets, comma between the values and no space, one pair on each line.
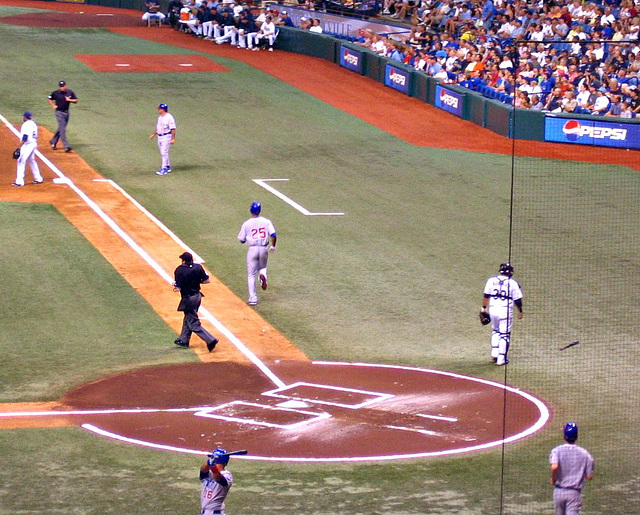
[501,292]
[166,132]
[570,466]
[216,483]
[260,235]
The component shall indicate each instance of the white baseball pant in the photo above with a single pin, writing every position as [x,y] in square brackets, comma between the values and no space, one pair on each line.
[164,144]
[28,155]
[230,33]
[195,27]
[501,322]
[271,38]
[246,40]
[257,257]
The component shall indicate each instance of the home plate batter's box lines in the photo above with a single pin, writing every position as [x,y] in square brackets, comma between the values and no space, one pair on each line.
[329,395]
[262,415]
[284,416]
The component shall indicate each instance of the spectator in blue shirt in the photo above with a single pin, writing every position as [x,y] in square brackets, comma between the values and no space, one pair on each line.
[488,13]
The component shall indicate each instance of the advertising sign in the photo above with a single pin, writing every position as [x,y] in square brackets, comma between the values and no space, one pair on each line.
[351,59]
[592,132]
[396,78]
[449,101]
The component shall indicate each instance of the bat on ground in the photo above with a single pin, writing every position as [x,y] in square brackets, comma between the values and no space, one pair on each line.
[576,342]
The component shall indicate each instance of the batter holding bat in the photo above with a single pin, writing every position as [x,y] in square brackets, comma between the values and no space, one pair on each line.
[501,293]
[216,481]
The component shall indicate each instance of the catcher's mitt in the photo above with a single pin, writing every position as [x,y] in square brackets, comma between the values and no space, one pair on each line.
[16,153]
[485,318]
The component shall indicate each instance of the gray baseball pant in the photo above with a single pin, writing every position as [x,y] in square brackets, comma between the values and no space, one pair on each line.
[61,133]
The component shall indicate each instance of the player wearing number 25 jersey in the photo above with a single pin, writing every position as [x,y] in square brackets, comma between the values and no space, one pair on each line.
[501,293]
[260,235]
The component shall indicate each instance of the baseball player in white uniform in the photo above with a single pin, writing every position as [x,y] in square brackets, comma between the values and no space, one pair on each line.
[216,483]
[570,466]
[501,293]
[29,139]
[267,32]
[260,235]
[166,132]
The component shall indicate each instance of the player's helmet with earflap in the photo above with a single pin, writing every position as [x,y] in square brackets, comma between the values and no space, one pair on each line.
[571,431]
[506,269]
[255,208]
[220,456]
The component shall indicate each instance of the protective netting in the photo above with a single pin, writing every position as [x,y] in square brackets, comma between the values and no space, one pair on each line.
[575,247]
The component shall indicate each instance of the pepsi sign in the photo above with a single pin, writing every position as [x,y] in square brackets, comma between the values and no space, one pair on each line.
[351,59]
[592,132]
[449,101]
[396,78]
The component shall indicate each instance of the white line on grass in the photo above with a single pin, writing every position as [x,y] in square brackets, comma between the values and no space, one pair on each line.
[282,196]
[151,262]
[162,227]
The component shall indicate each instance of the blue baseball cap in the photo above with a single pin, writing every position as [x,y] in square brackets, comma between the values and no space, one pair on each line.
[27,114]
[164,107]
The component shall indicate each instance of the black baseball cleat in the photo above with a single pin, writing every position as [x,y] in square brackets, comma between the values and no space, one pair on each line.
[38,182]
[180,343]
[16,184]
[68,149]
[263,282]
[53,146]
[212,344]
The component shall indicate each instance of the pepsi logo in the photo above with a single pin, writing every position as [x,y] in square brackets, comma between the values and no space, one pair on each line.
[572,130]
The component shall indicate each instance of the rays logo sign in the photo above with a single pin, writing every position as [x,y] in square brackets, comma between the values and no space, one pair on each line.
[396,78]
[592,132]
[351,59]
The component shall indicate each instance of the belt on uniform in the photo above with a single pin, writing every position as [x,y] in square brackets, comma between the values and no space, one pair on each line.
[63,111]
[568,488]
[215,512]
[165,134]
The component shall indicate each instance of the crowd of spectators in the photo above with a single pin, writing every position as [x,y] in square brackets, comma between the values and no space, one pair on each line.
[549,55]
[558,55]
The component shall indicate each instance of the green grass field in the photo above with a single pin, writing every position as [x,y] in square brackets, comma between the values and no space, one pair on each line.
[397,280]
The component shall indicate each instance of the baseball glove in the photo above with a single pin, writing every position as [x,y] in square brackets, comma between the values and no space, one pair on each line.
[485,318]
[16,153]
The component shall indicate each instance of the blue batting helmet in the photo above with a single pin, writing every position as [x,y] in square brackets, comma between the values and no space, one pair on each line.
[164,107]
[571,431]
[220,456]
[27,114]
[255,208]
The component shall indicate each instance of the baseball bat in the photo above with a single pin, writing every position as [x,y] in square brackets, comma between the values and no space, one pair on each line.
[232,453]
[576,342]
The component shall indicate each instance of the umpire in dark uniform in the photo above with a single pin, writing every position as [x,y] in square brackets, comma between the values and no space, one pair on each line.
[188,278]
[60,100]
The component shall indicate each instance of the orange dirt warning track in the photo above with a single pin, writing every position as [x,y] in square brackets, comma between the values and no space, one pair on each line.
[274,401]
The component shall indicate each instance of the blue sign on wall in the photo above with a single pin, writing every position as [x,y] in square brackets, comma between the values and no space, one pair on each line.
[449,101]
[396,78]
[351,59]
[592,132]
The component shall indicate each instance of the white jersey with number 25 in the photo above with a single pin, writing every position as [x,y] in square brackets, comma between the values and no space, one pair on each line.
[256,231]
